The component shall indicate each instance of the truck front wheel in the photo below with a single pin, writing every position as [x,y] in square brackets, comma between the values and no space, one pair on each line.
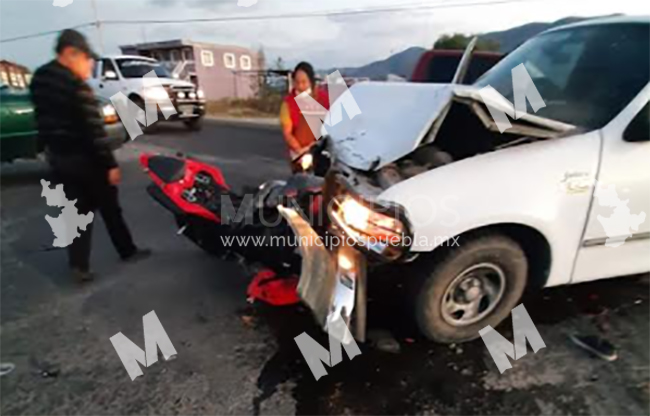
[471,286]
[194,124]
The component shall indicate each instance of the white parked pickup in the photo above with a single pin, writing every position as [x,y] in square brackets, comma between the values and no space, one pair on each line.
[125,74]
[561,197]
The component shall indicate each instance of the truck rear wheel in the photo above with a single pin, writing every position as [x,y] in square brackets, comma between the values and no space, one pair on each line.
[470,287]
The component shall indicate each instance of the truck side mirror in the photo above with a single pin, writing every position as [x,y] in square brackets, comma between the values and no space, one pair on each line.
[109,76]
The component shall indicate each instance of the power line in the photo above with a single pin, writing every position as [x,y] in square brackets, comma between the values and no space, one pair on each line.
[348,12]
[330,13]
[49,32]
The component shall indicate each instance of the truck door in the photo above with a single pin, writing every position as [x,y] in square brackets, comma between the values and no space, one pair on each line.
[107,82]
[616,241]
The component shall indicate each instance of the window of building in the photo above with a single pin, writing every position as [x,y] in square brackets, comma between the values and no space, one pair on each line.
[245,62]
[4,77]
[13,79]
[229,60]
[174,56]
[207,58]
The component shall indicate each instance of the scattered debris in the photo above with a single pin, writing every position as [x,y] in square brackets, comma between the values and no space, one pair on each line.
[51,372]
[201,318]
[384,341]
[6,368]
[273,289]
[597,346]
[44,368]
[248,321]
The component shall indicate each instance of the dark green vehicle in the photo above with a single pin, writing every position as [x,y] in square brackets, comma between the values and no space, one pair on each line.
[18,126]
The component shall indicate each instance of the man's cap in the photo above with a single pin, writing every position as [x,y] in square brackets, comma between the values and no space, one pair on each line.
[74,39]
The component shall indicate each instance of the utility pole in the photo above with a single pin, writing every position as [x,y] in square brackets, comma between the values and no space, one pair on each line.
[98,25]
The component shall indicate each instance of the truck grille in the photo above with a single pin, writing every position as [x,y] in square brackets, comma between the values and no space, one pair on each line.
[182,93]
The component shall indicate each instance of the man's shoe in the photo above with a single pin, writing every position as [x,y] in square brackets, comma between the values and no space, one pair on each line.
[139,254]
[82,276]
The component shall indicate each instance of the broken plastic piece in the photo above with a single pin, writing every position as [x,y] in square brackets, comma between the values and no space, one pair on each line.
[597,346]
[273,289]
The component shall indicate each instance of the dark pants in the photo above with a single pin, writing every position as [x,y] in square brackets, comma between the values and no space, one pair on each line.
[93,193]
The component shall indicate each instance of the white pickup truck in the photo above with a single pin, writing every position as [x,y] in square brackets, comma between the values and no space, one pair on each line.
[125,74]
[423,177]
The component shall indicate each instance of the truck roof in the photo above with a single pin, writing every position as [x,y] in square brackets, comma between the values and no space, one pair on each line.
[146,58]
[604,21]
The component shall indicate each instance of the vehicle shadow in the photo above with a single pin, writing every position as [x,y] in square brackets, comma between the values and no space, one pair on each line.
[23,172]
[421,376]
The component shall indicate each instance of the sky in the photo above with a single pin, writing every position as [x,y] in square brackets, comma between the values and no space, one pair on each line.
[327,42]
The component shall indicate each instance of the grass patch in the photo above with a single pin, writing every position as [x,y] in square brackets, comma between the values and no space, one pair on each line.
[246,107]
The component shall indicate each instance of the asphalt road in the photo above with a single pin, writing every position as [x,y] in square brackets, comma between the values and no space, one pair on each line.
[236,358]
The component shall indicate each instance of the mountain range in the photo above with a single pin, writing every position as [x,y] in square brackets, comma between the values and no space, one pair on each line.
[403,63]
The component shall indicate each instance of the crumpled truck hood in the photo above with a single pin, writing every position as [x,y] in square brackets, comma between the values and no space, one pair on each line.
[395,118]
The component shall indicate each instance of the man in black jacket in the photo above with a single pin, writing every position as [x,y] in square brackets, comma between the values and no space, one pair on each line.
[71,129]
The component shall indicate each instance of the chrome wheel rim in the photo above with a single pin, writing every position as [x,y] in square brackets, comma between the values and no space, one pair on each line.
[473,294]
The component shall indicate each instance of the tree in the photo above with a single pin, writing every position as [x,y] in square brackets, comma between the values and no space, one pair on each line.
[259,81]
[460,41]
[261,59]
[279,64]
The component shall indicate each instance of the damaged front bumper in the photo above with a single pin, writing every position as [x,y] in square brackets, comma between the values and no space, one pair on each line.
[332,281]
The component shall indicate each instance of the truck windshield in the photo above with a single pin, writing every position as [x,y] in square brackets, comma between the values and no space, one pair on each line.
[137,68]
[585,75]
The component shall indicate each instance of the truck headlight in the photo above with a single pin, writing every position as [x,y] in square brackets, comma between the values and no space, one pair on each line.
[200,93]
[379,228]
[155,94]
[306,161]
[110,115]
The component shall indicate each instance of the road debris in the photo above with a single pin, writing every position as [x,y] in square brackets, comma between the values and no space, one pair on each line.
[597,346]
[384,341]
[6,368]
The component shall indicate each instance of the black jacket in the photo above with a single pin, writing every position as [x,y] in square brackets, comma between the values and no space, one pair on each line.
[69,119]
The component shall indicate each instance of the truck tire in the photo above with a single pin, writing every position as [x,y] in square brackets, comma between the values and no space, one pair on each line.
[195,124]
[469,287]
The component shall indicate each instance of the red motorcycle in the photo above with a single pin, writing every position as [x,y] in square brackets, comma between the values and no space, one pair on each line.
[246,226]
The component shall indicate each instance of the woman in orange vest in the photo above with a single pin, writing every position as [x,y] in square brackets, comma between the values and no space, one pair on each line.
[295,129]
